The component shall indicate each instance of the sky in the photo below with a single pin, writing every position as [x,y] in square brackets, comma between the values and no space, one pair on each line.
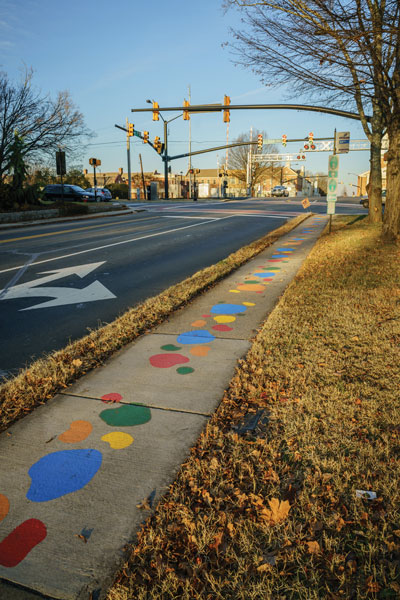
[113,56]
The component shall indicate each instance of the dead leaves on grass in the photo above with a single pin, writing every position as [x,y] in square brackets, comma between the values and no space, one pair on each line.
[277,511]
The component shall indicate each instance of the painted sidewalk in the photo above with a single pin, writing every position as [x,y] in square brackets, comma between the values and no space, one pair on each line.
[73,472]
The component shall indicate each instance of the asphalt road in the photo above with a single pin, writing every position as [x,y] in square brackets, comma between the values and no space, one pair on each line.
[59,280]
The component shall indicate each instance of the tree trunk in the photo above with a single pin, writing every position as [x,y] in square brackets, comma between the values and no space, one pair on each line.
[391,222]
[375,179]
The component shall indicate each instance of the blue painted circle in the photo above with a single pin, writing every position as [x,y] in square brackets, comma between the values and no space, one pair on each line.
[264,274]
[62,472]
[199,336]
[227,309]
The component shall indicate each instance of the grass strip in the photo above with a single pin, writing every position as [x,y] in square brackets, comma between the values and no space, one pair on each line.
[273,513]
[45,377]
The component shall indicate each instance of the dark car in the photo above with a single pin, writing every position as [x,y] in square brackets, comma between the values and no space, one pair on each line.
[102,194]
[365,202]
[72,193]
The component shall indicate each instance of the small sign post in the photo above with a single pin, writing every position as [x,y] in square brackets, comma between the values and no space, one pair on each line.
[61,169]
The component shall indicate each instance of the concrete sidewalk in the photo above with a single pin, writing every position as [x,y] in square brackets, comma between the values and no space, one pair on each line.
[73,472]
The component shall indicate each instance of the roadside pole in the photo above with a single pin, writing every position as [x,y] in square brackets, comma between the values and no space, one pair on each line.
[165,158]
[128,152]
[143,181]
[331,192]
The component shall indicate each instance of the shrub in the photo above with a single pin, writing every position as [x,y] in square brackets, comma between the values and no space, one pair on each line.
[119,190]
[67,209]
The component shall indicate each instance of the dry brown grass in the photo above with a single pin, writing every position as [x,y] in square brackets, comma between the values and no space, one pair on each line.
[325,368]
[44,378]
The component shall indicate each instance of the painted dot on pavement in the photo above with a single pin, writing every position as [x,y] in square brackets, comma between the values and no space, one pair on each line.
[251,287]
[224,319]
[118,439]
[170,348]
[285,249]
[4,506]
[201,336]
[249,303]
[255,280]
[264,274]
[127,415]
[198,323]
[274,268]
[222,328]
[200,350]
[77,432]
[165,361]
[15,547]
[113,397]
[62,472]
[228,309]
[206,316]
[184,370]
[234,291]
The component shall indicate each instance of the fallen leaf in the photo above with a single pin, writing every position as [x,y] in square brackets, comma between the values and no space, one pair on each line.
[313,547]
[217,541]
[77,362]
[277,512]
[264,567]
[372,586]
[144,505]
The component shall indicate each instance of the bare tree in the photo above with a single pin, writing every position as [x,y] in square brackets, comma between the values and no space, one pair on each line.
[335,52]
[239,160]
[43,124]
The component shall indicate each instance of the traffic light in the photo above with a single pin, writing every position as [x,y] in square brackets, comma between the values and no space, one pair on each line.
[145,137]
[156,116]
[186,116]
[311,138]
[306,146]
[227,102]
[95,162]
[158,145]
[284,139]
[259,141]
[130,129]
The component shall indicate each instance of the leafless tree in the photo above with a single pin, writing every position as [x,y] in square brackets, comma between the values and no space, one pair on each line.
[343,54]
[43,124]
[239,161]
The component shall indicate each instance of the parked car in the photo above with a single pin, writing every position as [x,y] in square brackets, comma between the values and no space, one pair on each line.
[103,194]
[365,202]
[71,193]
[279,190]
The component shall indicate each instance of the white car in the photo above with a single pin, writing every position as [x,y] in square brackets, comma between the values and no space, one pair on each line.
[103,194]
[279,190]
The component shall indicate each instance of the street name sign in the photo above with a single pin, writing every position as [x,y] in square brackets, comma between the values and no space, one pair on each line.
[342,141]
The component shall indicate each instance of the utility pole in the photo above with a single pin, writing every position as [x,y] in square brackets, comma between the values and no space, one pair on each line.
[143,181]
[190,150]
[128,151]
[166,190]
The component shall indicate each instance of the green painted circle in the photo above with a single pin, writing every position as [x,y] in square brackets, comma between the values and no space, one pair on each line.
[171,348]
[126,415]
[184,370]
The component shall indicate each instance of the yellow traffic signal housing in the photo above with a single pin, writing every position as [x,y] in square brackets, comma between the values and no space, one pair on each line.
[186,116]
[311,138]
[227,102]
[130,129]
[156,116]
[284,139]
[95,162]
[145,137]
[157,144]
[259,141]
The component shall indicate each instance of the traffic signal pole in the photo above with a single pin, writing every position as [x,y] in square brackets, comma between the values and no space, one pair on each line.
[165,159]
[128,152]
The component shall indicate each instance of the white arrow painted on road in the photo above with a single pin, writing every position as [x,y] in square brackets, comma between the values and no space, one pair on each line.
[62,295]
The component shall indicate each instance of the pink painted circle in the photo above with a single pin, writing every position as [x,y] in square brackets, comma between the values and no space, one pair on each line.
[113,397]
[164,361]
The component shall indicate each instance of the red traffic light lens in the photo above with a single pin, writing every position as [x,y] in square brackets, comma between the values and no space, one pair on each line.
[312,147]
